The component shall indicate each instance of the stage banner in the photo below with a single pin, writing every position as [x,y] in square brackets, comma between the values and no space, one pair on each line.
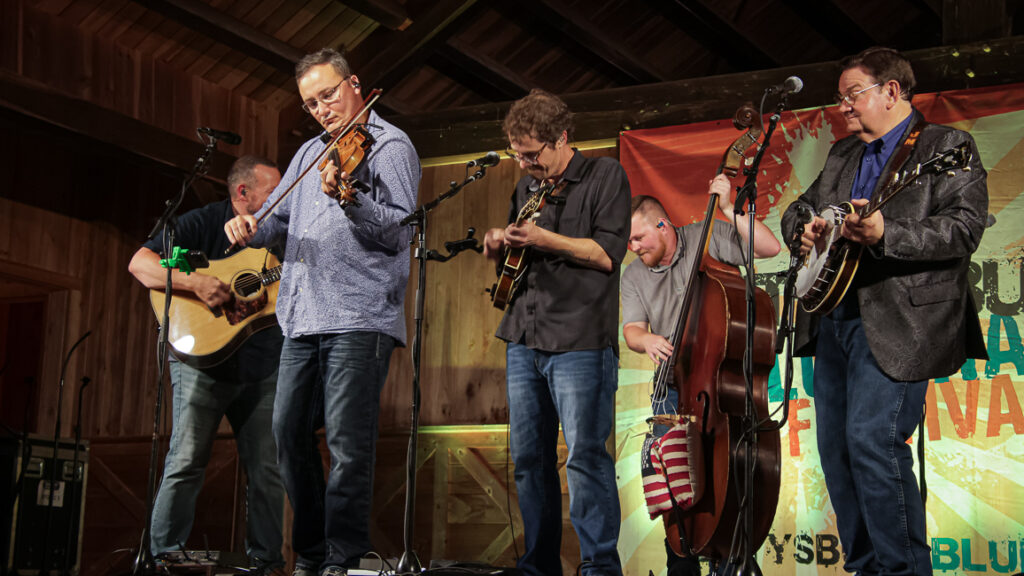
[974,429]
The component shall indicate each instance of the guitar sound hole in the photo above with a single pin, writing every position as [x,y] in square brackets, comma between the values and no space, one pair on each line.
[247,284]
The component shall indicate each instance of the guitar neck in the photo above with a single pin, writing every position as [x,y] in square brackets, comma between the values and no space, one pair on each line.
[271,275]
[958,157]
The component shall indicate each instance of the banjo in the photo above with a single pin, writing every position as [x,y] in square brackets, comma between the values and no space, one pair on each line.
[829,267]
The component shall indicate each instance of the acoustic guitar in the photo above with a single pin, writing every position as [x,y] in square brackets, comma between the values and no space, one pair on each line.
[201,337]
[829,267]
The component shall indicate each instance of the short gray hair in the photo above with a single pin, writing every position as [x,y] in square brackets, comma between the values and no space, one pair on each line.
[323,56]
[242,171]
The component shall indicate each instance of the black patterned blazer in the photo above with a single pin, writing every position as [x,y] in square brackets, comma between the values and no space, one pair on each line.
[918,314]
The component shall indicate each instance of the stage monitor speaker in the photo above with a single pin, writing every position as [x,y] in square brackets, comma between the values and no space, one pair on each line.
[26,466]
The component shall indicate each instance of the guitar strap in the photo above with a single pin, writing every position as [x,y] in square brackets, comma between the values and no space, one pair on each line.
[900,159]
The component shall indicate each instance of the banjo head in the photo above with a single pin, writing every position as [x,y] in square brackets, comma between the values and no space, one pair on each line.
[815,261]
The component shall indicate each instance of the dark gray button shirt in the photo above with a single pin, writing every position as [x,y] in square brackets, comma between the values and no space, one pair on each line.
[564,306]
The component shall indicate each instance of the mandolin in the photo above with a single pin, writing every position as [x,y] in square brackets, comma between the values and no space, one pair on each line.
[517,260]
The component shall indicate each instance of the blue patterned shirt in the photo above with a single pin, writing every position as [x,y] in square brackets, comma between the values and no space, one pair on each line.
[346,270]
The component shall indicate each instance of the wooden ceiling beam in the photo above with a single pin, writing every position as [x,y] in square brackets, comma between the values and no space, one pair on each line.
[933,6]
[388,13]
[383,60]
[715,33]
[474,75]
[603,114]
[514,81]
[37,100]
[972,20]
[547,24]
[571,25]
[222,28]
[833,24]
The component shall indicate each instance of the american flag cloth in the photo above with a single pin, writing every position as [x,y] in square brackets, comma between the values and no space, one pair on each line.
[681,458]
[656,490]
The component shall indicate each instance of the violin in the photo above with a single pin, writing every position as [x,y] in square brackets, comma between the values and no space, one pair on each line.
[347,153]
[350,144]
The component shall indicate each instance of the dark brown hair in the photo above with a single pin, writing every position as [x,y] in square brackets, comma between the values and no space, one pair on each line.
[884,64]
[539,115]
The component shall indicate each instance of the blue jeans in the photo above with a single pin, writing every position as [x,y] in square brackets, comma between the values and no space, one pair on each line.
[578,389]
[200,401]
[330,380]
[864,419]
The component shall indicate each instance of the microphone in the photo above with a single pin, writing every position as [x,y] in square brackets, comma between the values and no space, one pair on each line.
[491,159]
[792,85]
[225,137]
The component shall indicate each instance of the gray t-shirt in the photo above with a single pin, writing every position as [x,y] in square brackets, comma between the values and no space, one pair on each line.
[654,295]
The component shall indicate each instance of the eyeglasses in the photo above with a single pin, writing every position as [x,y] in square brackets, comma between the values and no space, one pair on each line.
[852,97]
[327,97]
[529,157]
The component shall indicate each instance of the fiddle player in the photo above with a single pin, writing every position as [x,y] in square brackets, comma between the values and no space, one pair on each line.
[562,336]
[241,387]
[652,286]
[907,318]
[341,309]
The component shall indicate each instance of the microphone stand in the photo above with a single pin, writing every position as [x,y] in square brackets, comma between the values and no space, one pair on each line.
[409,563]
[143,564]
[43,569]
[745,565]
[75,478]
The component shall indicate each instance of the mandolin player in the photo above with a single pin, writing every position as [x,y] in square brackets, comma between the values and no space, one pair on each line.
[907,316]
[561,330]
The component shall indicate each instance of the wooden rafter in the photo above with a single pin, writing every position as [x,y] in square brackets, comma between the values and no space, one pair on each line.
[512,80]
[571,28]
[388,13]
[603,114]
[474,74]
[383,60]
[715,33]
[842,31]
[223,28]
[964,21]
[39,101]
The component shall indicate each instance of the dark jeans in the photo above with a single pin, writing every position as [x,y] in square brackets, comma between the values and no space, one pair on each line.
[333,380]
[863,420]
[578,389]
[200,402]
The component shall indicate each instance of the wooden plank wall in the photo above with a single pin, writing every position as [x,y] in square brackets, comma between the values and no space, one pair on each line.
[130,76]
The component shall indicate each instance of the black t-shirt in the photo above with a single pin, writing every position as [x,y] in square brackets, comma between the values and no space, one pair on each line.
[203,229]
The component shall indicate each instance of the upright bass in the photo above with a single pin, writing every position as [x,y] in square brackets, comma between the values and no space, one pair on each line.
[709,343]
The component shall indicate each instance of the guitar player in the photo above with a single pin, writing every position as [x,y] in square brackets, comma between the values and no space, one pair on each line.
[561,330]
[242,387]
[907,317]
